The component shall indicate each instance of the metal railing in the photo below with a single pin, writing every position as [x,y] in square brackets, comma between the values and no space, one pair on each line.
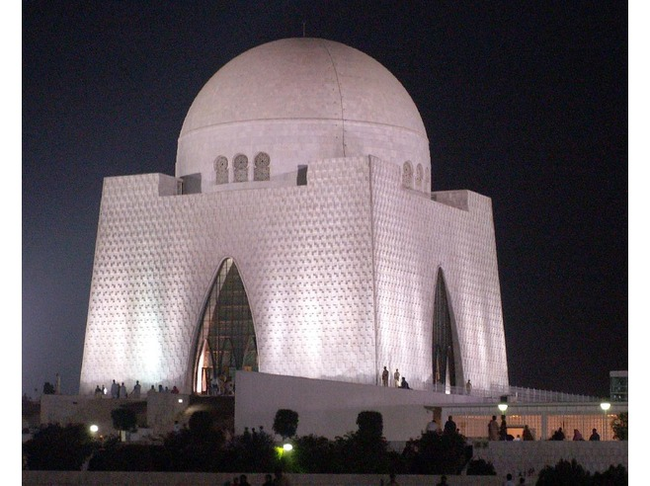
[515,394]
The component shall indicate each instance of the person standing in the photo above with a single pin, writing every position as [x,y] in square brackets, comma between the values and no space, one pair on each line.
[396,378]
[450,426]
[493,429]
[503,430]
[136,389]
[594,435]
[384,377]
[433,426]
[528,435]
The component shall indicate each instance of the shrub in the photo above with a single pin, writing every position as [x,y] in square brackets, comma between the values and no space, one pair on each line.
[315,455]
[480,467]
[249,452]
[201,424]
[614,476]
[436,454]
[59,448]
[285,423]
[619,426]
[564,473]
[198,448]
[129,457]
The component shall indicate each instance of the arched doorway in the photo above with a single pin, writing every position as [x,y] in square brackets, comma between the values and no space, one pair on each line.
[444,368]
[227,340]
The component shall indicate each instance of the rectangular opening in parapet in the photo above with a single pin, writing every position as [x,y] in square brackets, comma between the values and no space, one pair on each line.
[302,175]
[192,183]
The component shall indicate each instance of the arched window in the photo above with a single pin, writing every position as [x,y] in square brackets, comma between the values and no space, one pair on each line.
[419,176]
[407,174]
[262,169]
[221,169]
[227,340]
[444,366]
[241,168]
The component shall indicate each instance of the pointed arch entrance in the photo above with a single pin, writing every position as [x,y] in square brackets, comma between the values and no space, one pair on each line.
[444,363]
[226,340]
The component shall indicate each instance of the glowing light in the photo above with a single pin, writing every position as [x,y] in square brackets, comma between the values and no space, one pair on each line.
[180,400]
[94,428]
[605,406]
[503,407]
[287,447]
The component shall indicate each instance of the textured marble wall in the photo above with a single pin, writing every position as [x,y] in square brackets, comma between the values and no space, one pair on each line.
[339,274]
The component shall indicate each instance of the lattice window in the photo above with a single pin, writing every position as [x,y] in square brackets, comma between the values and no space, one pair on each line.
[227,340]
[407,174]
[241,168]
[221,169]
[262,170]
[444,365]
[419,176]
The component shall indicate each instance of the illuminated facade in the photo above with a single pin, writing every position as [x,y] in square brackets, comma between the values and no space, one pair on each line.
[298,237]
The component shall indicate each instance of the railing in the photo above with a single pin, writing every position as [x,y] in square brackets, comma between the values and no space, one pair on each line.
[515,394]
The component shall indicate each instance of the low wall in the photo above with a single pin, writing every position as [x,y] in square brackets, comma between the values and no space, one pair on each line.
[330,408]
[198,479]
[158,411]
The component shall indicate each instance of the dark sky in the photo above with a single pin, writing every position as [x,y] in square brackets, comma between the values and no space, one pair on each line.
[524,102]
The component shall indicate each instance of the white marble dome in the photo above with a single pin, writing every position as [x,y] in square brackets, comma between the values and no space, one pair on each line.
[292,101]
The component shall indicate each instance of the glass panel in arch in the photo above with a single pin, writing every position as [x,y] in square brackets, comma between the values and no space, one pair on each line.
[443,350]
[227,338]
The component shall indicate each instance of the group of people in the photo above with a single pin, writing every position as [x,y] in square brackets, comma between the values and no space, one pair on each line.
[277,479]
[119,390]
[449,428]
[577,436]
[498,431]
[385,378]
[222,385]
[166,389]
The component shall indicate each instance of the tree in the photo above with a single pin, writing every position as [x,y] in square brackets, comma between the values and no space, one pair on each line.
[285,423]
[366,451]
[371,425]
[124,419]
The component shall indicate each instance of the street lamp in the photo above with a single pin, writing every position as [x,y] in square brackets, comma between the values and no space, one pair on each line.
[94,428]
[503,407]
[287,447]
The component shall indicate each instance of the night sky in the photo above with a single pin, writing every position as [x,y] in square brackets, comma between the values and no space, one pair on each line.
[524,102]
